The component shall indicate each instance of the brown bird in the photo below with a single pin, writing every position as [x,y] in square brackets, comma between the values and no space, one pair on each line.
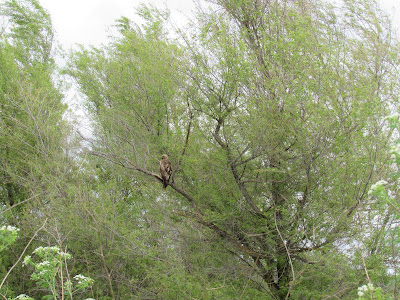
[165,170]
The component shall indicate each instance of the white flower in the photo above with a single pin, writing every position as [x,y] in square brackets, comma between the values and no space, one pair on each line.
[392,117]
[26,260]
[83,279]
[370,286]
[360,293]
[43,272]
[376,186]
[80,278]
[9,228]
[54,248]
[41,249]
[364,288]
[12,228]
[395,150]
[23,297]
[381,182]
[45,263]
[38,249]
[66,255]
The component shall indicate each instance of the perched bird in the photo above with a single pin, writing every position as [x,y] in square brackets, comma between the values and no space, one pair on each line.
[165,170]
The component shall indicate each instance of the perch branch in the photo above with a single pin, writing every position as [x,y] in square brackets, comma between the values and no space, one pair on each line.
[198,215]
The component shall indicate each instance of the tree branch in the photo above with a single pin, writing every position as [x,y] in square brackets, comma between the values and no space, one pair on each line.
[124,162]
[234,170]
[198,215]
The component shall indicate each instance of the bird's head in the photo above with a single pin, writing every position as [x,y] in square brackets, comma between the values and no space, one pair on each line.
[164,156]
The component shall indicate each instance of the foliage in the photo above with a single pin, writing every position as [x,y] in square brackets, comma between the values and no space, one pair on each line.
[386,195]
[281,108]
[272,113]
[370,292]
[33,134]
[48,273]
[8,235]
[31,109]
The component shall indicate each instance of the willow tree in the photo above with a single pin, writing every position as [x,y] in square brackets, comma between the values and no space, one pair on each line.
[31,111]
[32,130]
[271,113]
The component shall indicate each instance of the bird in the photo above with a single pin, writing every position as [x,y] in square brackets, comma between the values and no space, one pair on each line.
[165,170]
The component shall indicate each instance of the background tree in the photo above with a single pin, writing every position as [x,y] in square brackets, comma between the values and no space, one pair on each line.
[31,108]
[33,152]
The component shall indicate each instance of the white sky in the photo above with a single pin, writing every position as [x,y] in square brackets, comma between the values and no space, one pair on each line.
[87,21]
[392,7]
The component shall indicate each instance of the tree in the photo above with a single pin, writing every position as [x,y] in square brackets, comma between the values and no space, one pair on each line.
[30,102]
[271,113]
[34,158]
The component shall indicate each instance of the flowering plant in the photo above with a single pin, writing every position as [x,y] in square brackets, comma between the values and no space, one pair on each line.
[48,268]
[369,291]
[8,235]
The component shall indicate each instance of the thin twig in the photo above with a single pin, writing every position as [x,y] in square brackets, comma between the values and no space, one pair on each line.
[366,273]
[23,252]
[19,203]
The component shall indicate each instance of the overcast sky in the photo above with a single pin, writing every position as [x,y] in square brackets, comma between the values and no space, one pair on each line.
[86,21]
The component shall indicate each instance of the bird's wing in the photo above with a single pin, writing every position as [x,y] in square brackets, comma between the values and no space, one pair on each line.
[168,168]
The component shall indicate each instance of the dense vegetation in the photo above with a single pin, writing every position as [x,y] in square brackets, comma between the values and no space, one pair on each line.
[284,181]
